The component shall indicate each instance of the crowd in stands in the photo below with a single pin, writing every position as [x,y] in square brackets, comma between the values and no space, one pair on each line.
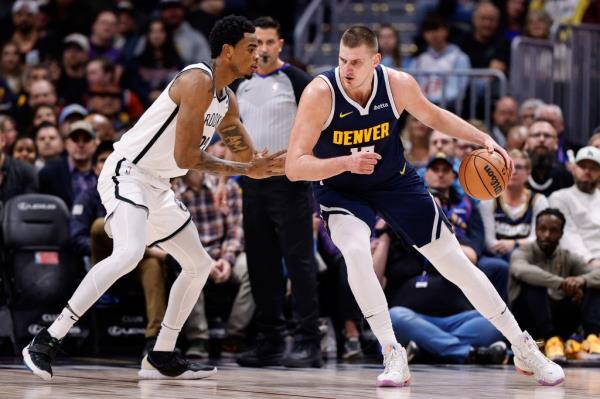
[74,77]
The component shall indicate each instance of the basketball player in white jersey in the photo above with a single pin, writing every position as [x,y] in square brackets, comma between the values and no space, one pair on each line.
[345,139]
[141,208]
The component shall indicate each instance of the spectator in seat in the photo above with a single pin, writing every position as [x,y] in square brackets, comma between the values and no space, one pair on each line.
[515,140]
[90,241]
[11,67]
[553,114]
[441,56]
[26,34]
[505,116]
[221,234]
[389,46]
[527,111]
[44,113]
[128,38]
[16,177]
[415,138]
[485,48]
[547,175]
[42,92]
[447,330]
[103,37]
[8,129]
[72,83]
[68,176]
[192,45]
[69,115]
[538,25]
[102,126]
[49,143]
[24,150]
[514,13]
[553,290]
[581,207]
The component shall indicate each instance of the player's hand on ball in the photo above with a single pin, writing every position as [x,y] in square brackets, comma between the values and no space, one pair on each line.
[362,162]
[492,146]
[264,165]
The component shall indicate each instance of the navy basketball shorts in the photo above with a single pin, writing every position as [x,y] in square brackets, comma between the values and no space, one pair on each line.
[403,202]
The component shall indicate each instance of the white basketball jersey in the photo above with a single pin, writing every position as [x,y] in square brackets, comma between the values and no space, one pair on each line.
[150,143]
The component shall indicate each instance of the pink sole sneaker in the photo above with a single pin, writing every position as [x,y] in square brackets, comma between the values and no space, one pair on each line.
[392,384]
[541,382]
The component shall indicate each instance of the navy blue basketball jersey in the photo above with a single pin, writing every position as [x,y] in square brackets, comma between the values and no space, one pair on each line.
[520,227]
[372,128]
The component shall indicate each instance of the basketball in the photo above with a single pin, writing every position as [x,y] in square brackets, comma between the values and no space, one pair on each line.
[483,175]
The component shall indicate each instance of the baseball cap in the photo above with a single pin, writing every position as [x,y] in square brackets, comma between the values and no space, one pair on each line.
[125,6]
[82,126]
[440,156]
[31,6]
[71,109]
[79,40]
[588,153]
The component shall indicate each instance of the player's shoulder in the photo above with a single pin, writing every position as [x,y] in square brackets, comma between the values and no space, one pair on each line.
[398,76]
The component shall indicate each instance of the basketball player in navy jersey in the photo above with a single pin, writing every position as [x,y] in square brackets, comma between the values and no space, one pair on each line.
[169,138]
[345,139]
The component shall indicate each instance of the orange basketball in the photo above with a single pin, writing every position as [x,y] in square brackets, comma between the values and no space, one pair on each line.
[483,175]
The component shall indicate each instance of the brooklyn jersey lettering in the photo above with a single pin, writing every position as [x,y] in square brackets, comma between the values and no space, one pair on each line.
[351,128]
[150,143]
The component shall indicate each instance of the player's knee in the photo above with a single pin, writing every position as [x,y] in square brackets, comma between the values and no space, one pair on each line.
[129,256]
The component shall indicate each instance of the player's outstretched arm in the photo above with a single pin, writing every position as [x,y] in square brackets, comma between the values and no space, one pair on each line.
[407,95]
[193,92]
[313,112]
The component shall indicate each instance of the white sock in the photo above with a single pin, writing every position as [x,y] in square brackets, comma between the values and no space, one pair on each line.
[63,323]
[505,323]
[352,236]
[167,338]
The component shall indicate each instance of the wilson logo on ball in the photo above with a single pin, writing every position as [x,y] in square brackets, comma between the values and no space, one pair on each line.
[495,183]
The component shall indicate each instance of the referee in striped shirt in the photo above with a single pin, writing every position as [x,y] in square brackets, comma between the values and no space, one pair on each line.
[277,213]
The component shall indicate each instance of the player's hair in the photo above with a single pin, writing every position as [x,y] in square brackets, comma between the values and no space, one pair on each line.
[358,35]
[552,212]
[229,30]
[268,23]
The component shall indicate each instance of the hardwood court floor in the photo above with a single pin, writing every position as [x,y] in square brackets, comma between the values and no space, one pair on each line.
[119,380]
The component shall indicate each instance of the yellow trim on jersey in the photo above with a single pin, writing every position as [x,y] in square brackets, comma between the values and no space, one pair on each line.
[362,136]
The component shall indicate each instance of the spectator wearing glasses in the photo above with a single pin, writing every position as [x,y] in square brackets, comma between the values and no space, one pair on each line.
[70,175]
[541,145]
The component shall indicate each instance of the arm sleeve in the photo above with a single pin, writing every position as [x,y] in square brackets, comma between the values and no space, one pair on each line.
[521,269]
[486,208]
[299,79]
[540,203]
[571,239]
[232,245]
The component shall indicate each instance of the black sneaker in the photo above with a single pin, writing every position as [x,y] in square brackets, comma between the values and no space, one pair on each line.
[149,345]
[304,354]
[40,353]
[496,353]
[352,349]
[171,365]
[264,354]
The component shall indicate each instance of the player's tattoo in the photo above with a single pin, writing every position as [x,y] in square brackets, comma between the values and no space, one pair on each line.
[233,138]
[211,164]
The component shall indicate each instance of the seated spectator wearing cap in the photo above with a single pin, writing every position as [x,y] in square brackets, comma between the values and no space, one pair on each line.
[24,150]
[72,82]
[16,177]
[442,330]
[553,290]
[440,56]
[90,241]
[193,46]
[222,236]
[68,176]
[49,143]
[69,115]
[581,207]
[509,220]
[547,175]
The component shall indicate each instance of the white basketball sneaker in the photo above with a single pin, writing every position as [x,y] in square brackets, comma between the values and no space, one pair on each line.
[529,360]
[396,373]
